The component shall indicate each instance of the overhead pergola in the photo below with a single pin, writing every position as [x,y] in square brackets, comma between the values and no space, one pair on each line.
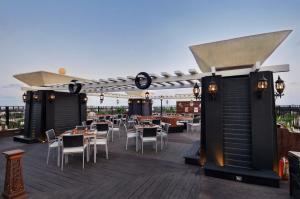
[233,57]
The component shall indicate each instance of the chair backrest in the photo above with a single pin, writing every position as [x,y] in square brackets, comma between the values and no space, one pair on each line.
[119,116]
[157,122]
[72,141]
[107,117]
[84,123]
[102,127]
[80,128]
[166,127]
[149,132]
[116,122]
[50,135]
[89,122]
[196,120]
[101,118]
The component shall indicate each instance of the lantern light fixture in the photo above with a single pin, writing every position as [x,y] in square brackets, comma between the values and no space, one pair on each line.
[24,97]
[118,100]
[196,91]
[147,95]
[101,98]
[212,88]
[85,99]
[262,84]
[51,97]
[279,86]
[35,96]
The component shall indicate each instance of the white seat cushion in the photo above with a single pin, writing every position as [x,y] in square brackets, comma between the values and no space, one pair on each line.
[131,135]
[74,149]
[148,139]
[100,141]
[114,129]
[54,144]
[101,132]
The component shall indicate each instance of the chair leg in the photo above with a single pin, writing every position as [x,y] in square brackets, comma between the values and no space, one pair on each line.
[161,142]
[112,135]
[62,162]
[156,146]
[136,144]
[106,149]
[83,159]
[142,147]
[126,143]
[48,155]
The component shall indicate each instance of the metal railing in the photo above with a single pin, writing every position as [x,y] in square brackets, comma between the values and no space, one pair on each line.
[11,117]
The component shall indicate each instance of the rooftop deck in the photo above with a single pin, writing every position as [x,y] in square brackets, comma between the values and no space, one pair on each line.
[128,174]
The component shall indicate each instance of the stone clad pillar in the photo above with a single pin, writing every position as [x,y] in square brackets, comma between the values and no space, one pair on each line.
[14,185]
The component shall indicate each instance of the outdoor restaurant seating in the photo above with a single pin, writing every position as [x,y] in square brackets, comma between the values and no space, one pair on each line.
[130,134]
[149,134]
[163,134]
[52,142]
[73,144]
[194,125]
[101,137]
[115,128]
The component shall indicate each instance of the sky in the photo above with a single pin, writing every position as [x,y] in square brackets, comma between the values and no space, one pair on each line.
[101,39]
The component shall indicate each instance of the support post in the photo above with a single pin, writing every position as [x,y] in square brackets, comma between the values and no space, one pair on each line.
[7,116]
[161,108]
[14,185]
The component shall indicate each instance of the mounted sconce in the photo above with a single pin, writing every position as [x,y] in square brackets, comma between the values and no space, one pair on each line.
[167,102]
[24,97]
[51,97]
[212,89]
[85,99]
[279,86]
[101,98]
[35,97]
[129,102]
[118,100]
[147,95]
[138,101]
[262,85]
[196,91]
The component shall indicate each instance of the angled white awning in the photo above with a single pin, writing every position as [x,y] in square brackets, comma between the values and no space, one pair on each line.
[238,52]
[44,78]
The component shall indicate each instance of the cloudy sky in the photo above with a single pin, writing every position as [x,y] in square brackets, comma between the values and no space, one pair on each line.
[100,39]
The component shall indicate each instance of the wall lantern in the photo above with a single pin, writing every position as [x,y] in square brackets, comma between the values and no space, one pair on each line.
[35,97]
[196,91]
[24,97]
[101,98]
[129,101]
[262,84]
[118,100]
[212,88]
[147,95]
[279,86]
[85,99]
[51,97]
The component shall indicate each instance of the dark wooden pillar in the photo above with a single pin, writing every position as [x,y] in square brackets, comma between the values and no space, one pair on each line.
[7,116]
[14,186]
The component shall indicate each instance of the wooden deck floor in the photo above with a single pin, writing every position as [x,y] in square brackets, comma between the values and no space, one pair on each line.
[128,174]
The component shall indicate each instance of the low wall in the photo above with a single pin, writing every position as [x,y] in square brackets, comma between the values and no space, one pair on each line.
[287,141]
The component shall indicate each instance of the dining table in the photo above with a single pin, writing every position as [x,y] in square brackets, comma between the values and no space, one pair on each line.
[88,134]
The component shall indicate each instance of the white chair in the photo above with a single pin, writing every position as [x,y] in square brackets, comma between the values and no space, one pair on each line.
[115,128]
[192,126]
[163,134]
[74,144]
[149,135]
[131,134]
[52,143]
[102,134]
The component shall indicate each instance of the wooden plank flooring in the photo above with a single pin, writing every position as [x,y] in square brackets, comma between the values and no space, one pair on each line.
[128,174]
